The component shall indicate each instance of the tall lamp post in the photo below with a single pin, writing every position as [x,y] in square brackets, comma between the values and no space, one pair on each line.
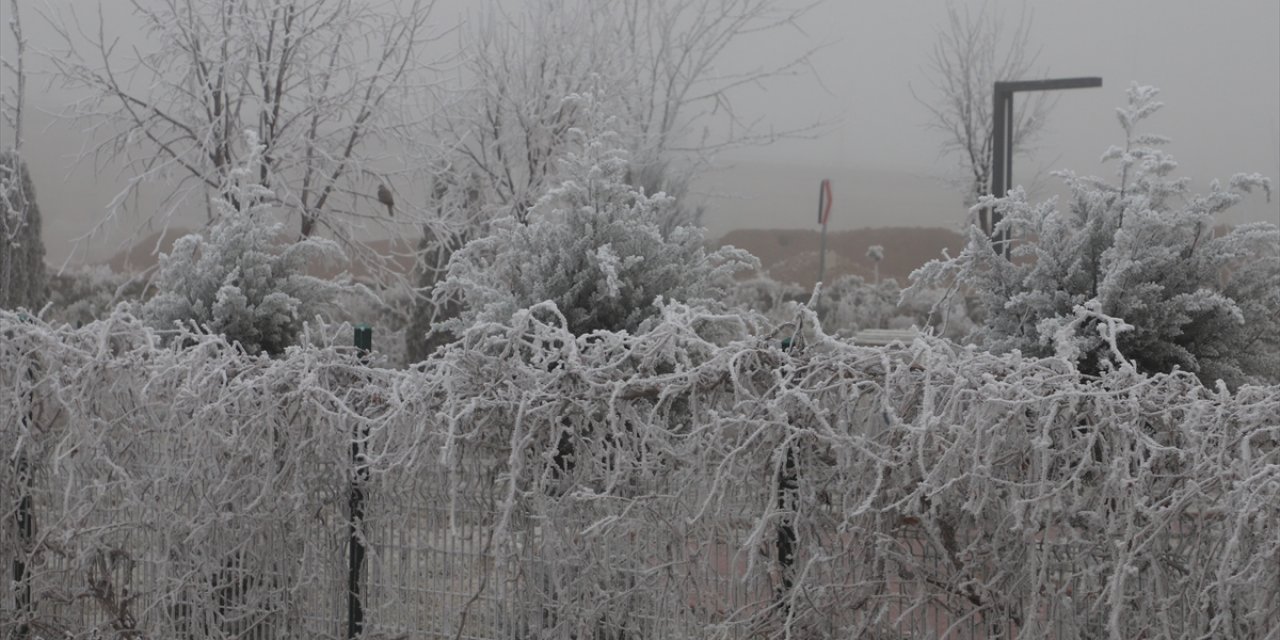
[1002,135]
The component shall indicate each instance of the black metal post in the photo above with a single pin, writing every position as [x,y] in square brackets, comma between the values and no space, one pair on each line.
[996,173]
[25,519]
[788,483]
[786,545]
[26,532]
[359,475]
[1002,136]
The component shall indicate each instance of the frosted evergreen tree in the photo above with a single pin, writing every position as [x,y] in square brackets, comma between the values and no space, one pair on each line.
[592,245]
[1139,270]
[240,281]
[22,270]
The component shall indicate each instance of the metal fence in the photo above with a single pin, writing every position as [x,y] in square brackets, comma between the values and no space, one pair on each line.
[434,566]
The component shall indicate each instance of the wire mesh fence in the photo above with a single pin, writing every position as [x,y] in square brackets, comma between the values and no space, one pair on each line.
[158,492]
[436,568]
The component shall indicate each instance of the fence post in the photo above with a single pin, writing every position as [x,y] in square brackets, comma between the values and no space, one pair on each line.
[26,529]
[786,546]
[359,474]
[787,486]
[24,517]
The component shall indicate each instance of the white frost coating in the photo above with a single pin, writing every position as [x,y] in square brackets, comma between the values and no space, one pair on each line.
[1144,250]
[240,281]
[1125,506]
[608,263]
[592,245]
[326,83]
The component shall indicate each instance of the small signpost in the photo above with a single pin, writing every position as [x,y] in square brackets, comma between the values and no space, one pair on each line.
[824,212]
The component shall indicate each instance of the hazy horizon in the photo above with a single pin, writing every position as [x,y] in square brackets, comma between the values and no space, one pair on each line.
[1218,65]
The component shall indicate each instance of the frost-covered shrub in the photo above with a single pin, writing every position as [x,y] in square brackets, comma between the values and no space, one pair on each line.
[1145,251]
[593,246]
[945,312]
[762,294]
[240,281]
[851,304]
[80,296]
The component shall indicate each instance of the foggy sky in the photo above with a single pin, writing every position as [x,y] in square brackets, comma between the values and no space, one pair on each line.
[1217,64]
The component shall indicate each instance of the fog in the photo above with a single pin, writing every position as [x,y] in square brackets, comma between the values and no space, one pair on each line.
[1218,65]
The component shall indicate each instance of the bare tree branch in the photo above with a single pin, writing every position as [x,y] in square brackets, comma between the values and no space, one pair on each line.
[973,52]
[11,104]
[322,83]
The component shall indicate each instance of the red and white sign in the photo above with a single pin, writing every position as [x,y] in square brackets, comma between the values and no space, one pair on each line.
[824,202]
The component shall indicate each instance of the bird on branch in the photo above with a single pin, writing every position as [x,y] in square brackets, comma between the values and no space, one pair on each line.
[384,196]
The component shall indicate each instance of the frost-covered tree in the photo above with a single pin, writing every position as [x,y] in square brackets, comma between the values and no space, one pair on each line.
[657,66]
[241,281]
[973,52]
[591,245]
[325,83]
[1144,252]
[22,269]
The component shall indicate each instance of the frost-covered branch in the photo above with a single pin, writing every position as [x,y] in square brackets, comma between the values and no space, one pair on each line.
[1146,251]
[973,52]
[239,280]
[933,487]
[327,84]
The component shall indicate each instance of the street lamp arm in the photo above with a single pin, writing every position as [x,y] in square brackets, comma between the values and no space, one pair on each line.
[1048,85]
[1002,135]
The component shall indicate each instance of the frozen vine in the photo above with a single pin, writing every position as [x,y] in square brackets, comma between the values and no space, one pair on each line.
[926,483]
